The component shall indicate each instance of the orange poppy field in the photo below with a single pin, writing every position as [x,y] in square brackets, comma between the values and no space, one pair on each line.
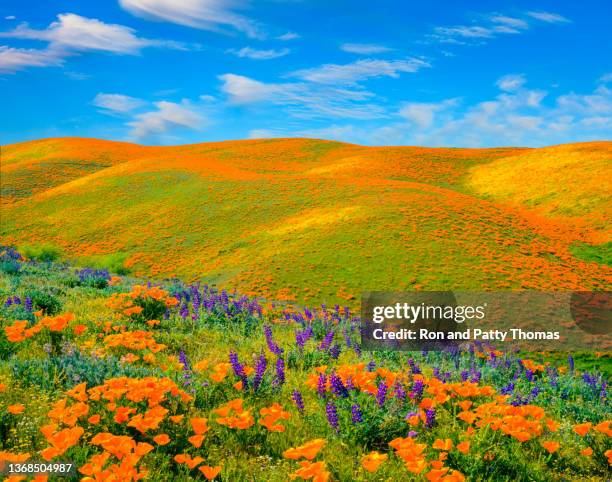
[191,312]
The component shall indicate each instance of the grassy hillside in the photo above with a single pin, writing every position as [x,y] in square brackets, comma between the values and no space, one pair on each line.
[317,220]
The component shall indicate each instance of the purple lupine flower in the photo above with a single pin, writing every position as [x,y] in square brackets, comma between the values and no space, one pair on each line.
[356,416]
[322,385]
[475,376]
[465,375]
[299,401]
[337,386]
[412,434]
[508,389]
[371,366]
[381,394]
[280,371]
[332,415]
[570,361]
[8,302]
[334,351]
[590,380]
[186,368]
[184,361]
[28,303]
[430,417]
[260,368]
[535,391]
[602,392]
[238,368]
[357,349]
[399,392]
[272,346]
[417,390]
[349,383]
[347,338]
[184,311]
[414,368]
[300,340]
[327,340]
[529,375]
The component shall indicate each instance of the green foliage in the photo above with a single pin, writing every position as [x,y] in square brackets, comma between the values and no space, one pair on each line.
[42,252]
[601,253]
[113,262]
[46,299]
[71,368]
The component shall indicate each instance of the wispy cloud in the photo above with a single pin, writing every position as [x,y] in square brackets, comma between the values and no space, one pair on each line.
[511,82]
[14,59]
[76,33]
[202,14]
[288,36]
[364,49]
[606,77]
[164,117]
[422,113]
[72,34]
[301,99]
[117,102]
[548,17]
[520,117]
[491,26]
[259,54]
[360,70]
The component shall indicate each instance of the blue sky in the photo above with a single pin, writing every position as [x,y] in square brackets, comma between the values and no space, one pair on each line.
[437,73]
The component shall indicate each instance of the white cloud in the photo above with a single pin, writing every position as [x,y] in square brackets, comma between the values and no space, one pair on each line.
[512,22]
[166,116]
[288,36]
[117,102]
[76,33]
[201,14]
[491,26]
[518,118]
[548,17]
[422,113]
[359,70]
[10,17]
[364,49]
[605,78]
[14,59]
[259,54]
[72,34]
[511,82]
[300,99]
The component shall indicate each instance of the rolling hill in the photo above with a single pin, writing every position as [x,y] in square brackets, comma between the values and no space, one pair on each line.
[319,221]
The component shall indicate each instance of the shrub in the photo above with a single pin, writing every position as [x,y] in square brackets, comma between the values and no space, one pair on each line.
[95,278]
[71,368]
[113,263]
[45,300]
[10,260]
[44,252]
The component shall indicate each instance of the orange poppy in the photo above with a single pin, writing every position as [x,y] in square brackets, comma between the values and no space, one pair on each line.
[550,446]
[210,472]
[16,409]
[161,439]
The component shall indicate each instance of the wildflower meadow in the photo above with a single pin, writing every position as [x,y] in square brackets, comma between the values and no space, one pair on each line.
[126,380]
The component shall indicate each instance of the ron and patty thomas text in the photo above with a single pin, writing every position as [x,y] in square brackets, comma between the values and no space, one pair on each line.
[458,314]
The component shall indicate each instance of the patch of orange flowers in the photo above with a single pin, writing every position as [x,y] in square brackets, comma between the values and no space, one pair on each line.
[19,331]
[271,415]
[233,415]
